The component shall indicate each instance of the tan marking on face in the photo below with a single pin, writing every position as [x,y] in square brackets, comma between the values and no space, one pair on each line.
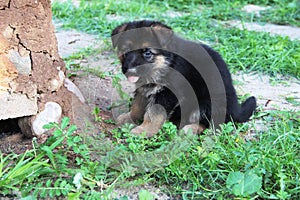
[145,45]
[160,68]
[127,46]
[158,27]
[155,51]
[160,62]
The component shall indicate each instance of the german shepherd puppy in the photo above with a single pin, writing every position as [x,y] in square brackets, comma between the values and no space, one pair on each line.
[163,75]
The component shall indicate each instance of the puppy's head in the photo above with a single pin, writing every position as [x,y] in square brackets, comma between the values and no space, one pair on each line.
[140,51]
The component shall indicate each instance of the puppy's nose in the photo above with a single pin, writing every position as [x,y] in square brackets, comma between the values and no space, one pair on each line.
[129,62]
[124,68]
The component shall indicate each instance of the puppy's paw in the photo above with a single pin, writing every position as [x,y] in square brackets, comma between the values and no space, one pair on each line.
[124,118]
[147,130]
[194,128]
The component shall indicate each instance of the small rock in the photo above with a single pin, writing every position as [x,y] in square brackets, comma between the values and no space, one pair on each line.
[51,113]
[13,105]
[56,84]
[173,14]
[273,29]
[74,89]
[254,9]
[22,63]
[114,17]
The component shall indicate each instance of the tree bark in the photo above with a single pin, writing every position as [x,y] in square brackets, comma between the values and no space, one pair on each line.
[31,70]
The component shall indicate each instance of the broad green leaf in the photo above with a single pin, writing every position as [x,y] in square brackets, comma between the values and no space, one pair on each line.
[65,122]
[71,129]
[56,143]
[74,196]
[49,153]
[48,183]
[96,111]
[243,184]
[48,126]
[57,133]
[77,139]
[145,195]
[29,198]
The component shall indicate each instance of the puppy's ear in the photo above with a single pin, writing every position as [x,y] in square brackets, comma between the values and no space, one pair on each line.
[159,25]
[163,33]
[115,36]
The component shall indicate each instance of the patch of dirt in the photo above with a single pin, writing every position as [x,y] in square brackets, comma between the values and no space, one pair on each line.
[11,140]
[133,192]
[255,9]
[14,142]
[274,96]
[292,32]
[284,30]
[70,42]
[99,92]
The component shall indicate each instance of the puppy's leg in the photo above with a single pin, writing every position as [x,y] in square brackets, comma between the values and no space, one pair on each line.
[137,111]
[193,124]
[154,118]
[194,128]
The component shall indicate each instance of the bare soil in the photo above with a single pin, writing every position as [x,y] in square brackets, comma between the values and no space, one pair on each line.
[292,32]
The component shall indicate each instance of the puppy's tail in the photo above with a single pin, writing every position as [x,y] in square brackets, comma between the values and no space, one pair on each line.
[246,110]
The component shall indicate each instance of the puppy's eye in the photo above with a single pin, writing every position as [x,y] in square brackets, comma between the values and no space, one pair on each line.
[148,55]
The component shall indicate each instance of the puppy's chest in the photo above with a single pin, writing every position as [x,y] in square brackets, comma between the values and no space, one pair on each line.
[149,91]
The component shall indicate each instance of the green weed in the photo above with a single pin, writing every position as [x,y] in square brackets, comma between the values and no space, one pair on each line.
[61,167]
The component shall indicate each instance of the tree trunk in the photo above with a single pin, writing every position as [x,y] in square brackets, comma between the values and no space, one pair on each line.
[31,71]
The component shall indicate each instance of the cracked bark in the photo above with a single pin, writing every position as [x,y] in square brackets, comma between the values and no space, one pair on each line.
[4,4]
[26,29]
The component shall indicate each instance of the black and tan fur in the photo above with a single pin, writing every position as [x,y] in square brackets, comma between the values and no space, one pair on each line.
[154,102]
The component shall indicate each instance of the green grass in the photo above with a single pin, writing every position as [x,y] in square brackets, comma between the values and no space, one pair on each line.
[273,155]
[242,49]
[215,165]
[278,12]
[188,166]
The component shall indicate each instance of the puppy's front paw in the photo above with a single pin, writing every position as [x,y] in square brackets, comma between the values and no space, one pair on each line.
[138,130]
[194,128]
[124,118]
[148,130]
